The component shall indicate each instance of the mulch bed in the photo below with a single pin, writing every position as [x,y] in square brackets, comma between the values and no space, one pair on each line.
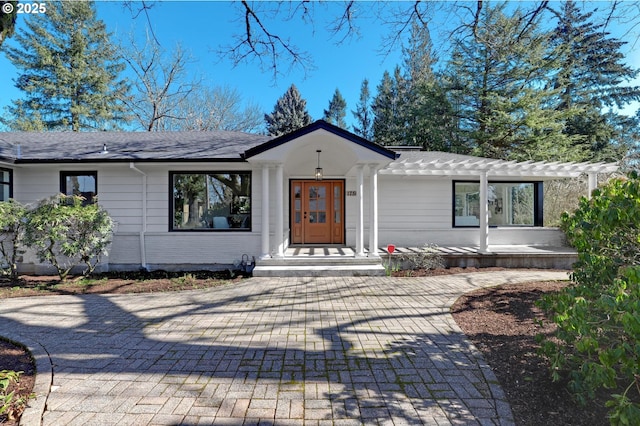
[17,358]
[501,322]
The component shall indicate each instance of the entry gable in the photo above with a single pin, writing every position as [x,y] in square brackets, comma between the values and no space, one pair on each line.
[381,151]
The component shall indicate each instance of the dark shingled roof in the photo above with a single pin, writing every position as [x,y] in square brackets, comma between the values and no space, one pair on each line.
[27,147]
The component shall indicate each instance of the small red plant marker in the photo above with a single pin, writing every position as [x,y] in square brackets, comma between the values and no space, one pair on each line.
[390,249]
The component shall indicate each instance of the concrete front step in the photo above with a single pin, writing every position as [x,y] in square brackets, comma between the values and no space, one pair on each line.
[324,270]
[319,266]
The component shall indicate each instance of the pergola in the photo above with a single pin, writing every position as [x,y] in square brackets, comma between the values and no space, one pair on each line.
[416,163]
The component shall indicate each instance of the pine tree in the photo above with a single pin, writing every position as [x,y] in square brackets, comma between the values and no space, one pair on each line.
[408,107]
[7,20]
[386,107]
[69,72]
[507,107]
[590,77]
[289,113]
[419,58]
[432,120]
[427,116]
[363,113]
[337,110]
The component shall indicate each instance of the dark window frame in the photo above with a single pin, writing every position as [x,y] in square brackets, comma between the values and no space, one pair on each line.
[171,199]
[66,173]
[538,203]
[8,183]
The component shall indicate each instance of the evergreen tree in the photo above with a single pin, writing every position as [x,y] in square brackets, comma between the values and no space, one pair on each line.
[386,107]
[289,113]
[419,59]
[507,107]
[7,20]
[591,72]
[409,108]
[69,72]
[433,124]
[337,110]
[427,116]
[363,113]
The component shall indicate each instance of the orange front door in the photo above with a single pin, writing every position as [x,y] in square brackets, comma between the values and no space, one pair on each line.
[317,212]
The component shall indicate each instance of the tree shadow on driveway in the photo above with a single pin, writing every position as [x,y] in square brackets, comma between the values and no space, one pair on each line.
[275,352]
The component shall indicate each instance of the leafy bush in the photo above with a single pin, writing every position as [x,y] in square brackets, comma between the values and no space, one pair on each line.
[66,233]
[428,257]
[598,316]
[12,227]
[9,406]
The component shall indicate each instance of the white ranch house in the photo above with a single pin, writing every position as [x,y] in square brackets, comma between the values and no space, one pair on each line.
[202,200]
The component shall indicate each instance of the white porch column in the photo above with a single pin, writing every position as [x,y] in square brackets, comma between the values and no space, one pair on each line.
[484,213]
[593,183]
[373,211]
[279,210]
[266,249]
[360,219]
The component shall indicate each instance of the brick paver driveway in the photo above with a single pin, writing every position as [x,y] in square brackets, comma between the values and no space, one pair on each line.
[312,351]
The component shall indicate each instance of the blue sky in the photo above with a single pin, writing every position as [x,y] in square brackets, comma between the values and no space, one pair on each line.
[202,27]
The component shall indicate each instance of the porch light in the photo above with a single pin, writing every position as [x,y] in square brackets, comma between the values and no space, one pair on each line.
[318,169]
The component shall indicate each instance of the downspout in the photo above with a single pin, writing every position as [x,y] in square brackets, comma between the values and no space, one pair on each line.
[143,249]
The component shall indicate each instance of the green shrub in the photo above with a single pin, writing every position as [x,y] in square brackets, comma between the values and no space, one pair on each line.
[598,317]
[9,406]
[66,233]
[12,226]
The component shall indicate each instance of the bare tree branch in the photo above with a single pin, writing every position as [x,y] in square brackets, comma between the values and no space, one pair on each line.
[532,16]
[218,108]
[143,8]
[270,49]
[345,23]
[160,85]
[400,21]
[273,50]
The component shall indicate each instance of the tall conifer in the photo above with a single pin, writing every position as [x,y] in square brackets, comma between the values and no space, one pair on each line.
[590,78]
[363,113]
[337,110]
[289,113]
[69,72]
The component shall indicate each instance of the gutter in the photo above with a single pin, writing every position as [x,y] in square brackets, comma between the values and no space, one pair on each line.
[143,247]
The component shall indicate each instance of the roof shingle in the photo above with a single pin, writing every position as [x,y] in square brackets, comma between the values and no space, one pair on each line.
[125,146]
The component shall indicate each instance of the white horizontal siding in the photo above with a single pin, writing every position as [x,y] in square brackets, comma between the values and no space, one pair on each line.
[201,247]
[125,249]
[413,211]
[33,184]
[409,208]
[414,204]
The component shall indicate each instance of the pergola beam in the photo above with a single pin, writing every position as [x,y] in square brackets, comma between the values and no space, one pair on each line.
[497,168]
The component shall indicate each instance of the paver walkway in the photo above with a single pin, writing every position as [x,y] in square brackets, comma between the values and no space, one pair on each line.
[312,351]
